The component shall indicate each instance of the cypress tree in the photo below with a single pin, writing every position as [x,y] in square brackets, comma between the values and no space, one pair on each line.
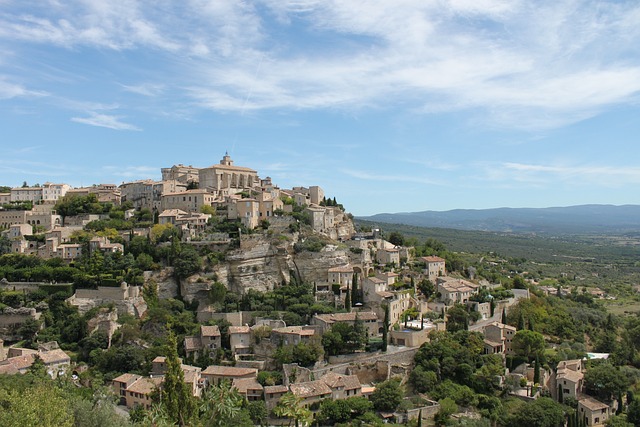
[504,316]
[175,396]
[354,289]
[536,371]
[347,301]
[531,324]
[385,328]
[521,322]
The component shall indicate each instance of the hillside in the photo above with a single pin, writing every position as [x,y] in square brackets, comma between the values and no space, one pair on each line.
[583,219]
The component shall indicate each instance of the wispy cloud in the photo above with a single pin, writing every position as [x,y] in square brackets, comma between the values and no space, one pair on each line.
[105,120]
[131,171]
[539,174]
[371,176]
[146,89]
[515,64]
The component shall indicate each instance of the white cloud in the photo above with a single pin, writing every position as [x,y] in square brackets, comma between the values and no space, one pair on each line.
[146,89]
[104,120]
[606,176]
[369,176]
[519,64]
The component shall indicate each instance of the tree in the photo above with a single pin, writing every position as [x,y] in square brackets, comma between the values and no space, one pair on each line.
[385,328]
[528,344]
[290,406]
[427,288]
[40,406]
[354,290]
[334,411]
[536,371]
[347,300]
[605,381]
[457,318]
[221,404]
[633,412]
[175,396]
[396,238]
[387,396]
[447,408]
[504,316]
[423,381]
[543,412]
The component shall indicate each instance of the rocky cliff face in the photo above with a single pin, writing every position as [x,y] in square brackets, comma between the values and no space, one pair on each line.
[261,263]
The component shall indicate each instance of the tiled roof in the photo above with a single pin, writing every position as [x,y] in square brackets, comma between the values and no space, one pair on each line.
[229,371]
[432,259]
[592,404]
[245,384]
[209,331]
[349,382]
[192,343]
[145,385]
[294,330]
[276,389]
[347,317]
[54,356]
[126,378]
[239,329]
[568,374]
[310,389]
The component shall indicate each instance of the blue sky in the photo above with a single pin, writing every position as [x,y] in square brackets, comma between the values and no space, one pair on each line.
[390,106]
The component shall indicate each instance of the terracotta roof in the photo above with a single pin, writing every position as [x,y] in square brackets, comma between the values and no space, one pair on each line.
[592,404]
[125,378]
[8,369]
[276,389]
[568,374]
[349,382]
[54,356]
[20,362]
[145,385]
[432,259]
[209,331]
[239,329]
[502,326]
[573,364]
[294,330]
[245,384]
[192,343]
[493,343]
[347,317]
[310,389]
[229,371]
[191,376]
[385,294]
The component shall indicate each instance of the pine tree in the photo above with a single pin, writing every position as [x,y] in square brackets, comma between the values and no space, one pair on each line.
[175,396]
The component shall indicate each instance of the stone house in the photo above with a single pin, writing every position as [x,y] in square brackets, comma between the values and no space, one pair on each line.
[368,318]
[249,388]
[453,290]
[293,335]
[498,338]
[135,390]
[215,374]
[388,256]
[226,178]
[240,339]
[188,200]
[206,342]
[342,275]
[593,412]
[568,379]
[434,267]
[272,395]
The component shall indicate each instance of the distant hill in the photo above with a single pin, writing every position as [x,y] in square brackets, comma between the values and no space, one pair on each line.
[583,219]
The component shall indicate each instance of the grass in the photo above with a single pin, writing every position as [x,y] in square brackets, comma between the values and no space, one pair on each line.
[621,308]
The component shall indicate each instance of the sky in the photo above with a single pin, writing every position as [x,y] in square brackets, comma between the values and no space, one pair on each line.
[390,106]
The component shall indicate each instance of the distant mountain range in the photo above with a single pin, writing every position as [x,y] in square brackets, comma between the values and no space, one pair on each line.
[583,219]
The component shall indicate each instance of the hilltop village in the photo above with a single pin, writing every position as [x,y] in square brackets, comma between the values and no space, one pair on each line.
[216,286]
